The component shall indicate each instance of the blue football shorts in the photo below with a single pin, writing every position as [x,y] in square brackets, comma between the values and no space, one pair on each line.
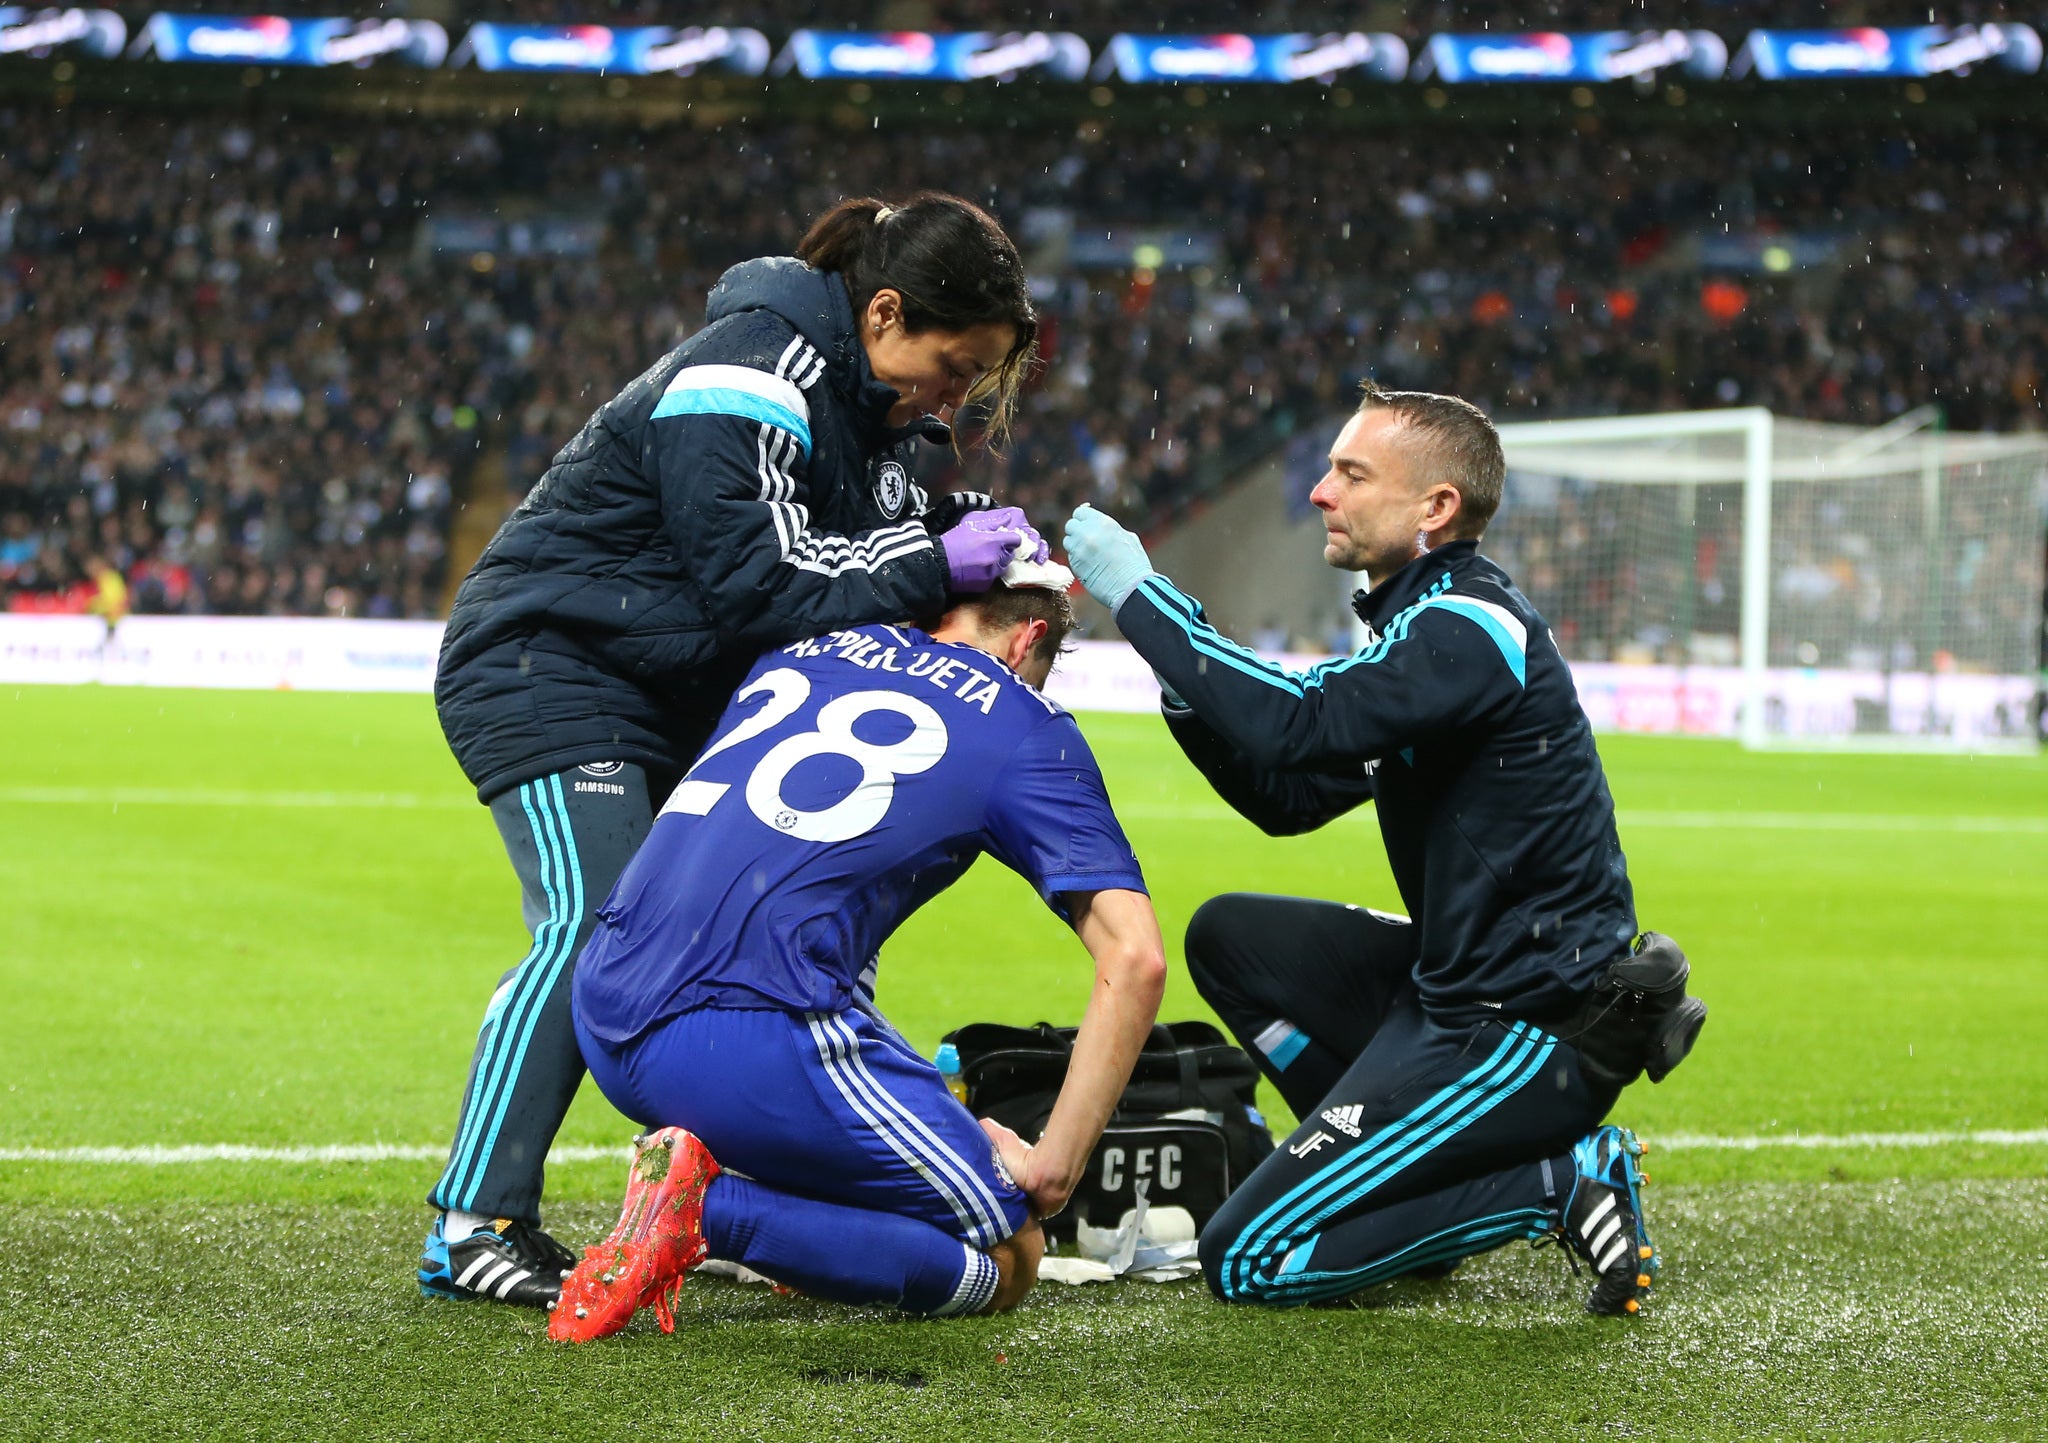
[828,1105]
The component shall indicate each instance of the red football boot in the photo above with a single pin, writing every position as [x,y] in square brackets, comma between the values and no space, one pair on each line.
[660,1237]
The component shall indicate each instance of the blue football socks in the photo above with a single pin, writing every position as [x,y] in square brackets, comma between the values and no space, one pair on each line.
[845,1254]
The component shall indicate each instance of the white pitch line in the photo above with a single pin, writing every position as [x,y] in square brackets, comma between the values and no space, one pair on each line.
[1851,1141]
[202,797]
[229,1152]
[1169,812]
[1831,822]
[391,1152]
[1704,821]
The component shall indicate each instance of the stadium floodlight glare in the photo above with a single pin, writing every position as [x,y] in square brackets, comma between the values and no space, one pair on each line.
[1791,582]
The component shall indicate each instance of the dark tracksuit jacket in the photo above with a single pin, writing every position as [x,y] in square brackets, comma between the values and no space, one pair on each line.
[1460,720]
[745,491]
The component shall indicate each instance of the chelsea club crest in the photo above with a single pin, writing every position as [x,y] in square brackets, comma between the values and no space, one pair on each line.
[892,488]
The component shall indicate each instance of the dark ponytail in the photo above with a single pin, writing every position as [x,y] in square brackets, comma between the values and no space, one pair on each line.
[951,263]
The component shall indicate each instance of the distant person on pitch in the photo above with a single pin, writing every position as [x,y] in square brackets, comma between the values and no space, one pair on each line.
[726,1000]
[1451,1072]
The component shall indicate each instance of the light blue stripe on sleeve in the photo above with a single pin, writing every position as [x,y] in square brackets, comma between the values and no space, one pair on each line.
[1287,1051]
[1281,1041]
[1179,608]
[719,401]
[1498,622]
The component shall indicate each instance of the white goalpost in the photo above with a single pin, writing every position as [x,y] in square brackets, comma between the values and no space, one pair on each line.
[1789,582]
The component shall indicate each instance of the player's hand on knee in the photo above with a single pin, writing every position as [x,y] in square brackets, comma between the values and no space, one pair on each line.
[1012,1150]
[1019,1159]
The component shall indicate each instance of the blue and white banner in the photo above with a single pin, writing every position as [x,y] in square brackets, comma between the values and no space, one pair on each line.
[1919,50]
[615,50]
[691,48]
[38,32]
[1456,59]
[918,55]
[1253,59]
[275,40]
[1586,57]
[269,653]
[416,42]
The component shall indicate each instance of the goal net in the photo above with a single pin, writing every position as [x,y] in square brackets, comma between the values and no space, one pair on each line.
[1789,582]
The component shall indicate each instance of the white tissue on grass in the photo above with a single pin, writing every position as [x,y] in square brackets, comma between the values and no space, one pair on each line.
[1074,1271]
[738,1272]
[1148,1244]
[1152,1245]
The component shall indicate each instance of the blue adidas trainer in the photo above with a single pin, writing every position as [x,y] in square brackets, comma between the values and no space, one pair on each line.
[1603,1222]
[503,1261]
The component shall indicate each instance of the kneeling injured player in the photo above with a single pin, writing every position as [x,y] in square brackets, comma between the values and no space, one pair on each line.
[726,999]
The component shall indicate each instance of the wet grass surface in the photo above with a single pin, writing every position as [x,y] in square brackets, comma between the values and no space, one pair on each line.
[1785,1310]
[218,935]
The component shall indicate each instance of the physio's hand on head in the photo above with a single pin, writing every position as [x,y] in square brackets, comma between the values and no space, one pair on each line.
[1109,560]
[1009,518]
[983,544]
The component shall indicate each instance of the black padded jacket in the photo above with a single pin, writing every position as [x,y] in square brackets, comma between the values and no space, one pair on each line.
[1459,719]
[745,491]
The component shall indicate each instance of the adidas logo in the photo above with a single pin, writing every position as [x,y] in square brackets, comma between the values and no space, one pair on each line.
[1344,1119]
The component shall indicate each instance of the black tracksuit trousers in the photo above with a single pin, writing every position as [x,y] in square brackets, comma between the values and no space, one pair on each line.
[568,836]
[1423,1139]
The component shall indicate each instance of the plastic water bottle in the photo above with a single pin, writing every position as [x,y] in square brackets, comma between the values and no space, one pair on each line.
[948,1063]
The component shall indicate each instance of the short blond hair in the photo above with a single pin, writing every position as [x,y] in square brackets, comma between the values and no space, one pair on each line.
[1460,447]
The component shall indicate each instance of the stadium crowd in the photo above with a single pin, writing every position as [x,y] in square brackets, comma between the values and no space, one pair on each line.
[237,374]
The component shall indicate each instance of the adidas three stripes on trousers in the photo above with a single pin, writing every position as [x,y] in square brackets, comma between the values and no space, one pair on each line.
[568,836]
[1422,1141]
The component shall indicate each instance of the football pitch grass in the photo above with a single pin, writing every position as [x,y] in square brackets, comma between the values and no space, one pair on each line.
[271,921]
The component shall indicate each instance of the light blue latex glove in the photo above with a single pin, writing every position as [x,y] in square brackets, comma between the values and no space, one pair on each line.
[1109,560]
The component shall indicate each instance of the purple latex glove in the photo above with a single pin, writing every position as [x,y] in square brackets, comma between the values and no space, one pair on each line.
[976,555]
[1009,518]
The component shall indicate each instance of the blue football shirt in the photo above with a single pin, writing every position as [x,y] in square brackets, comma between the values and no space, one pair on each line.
[853,778]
